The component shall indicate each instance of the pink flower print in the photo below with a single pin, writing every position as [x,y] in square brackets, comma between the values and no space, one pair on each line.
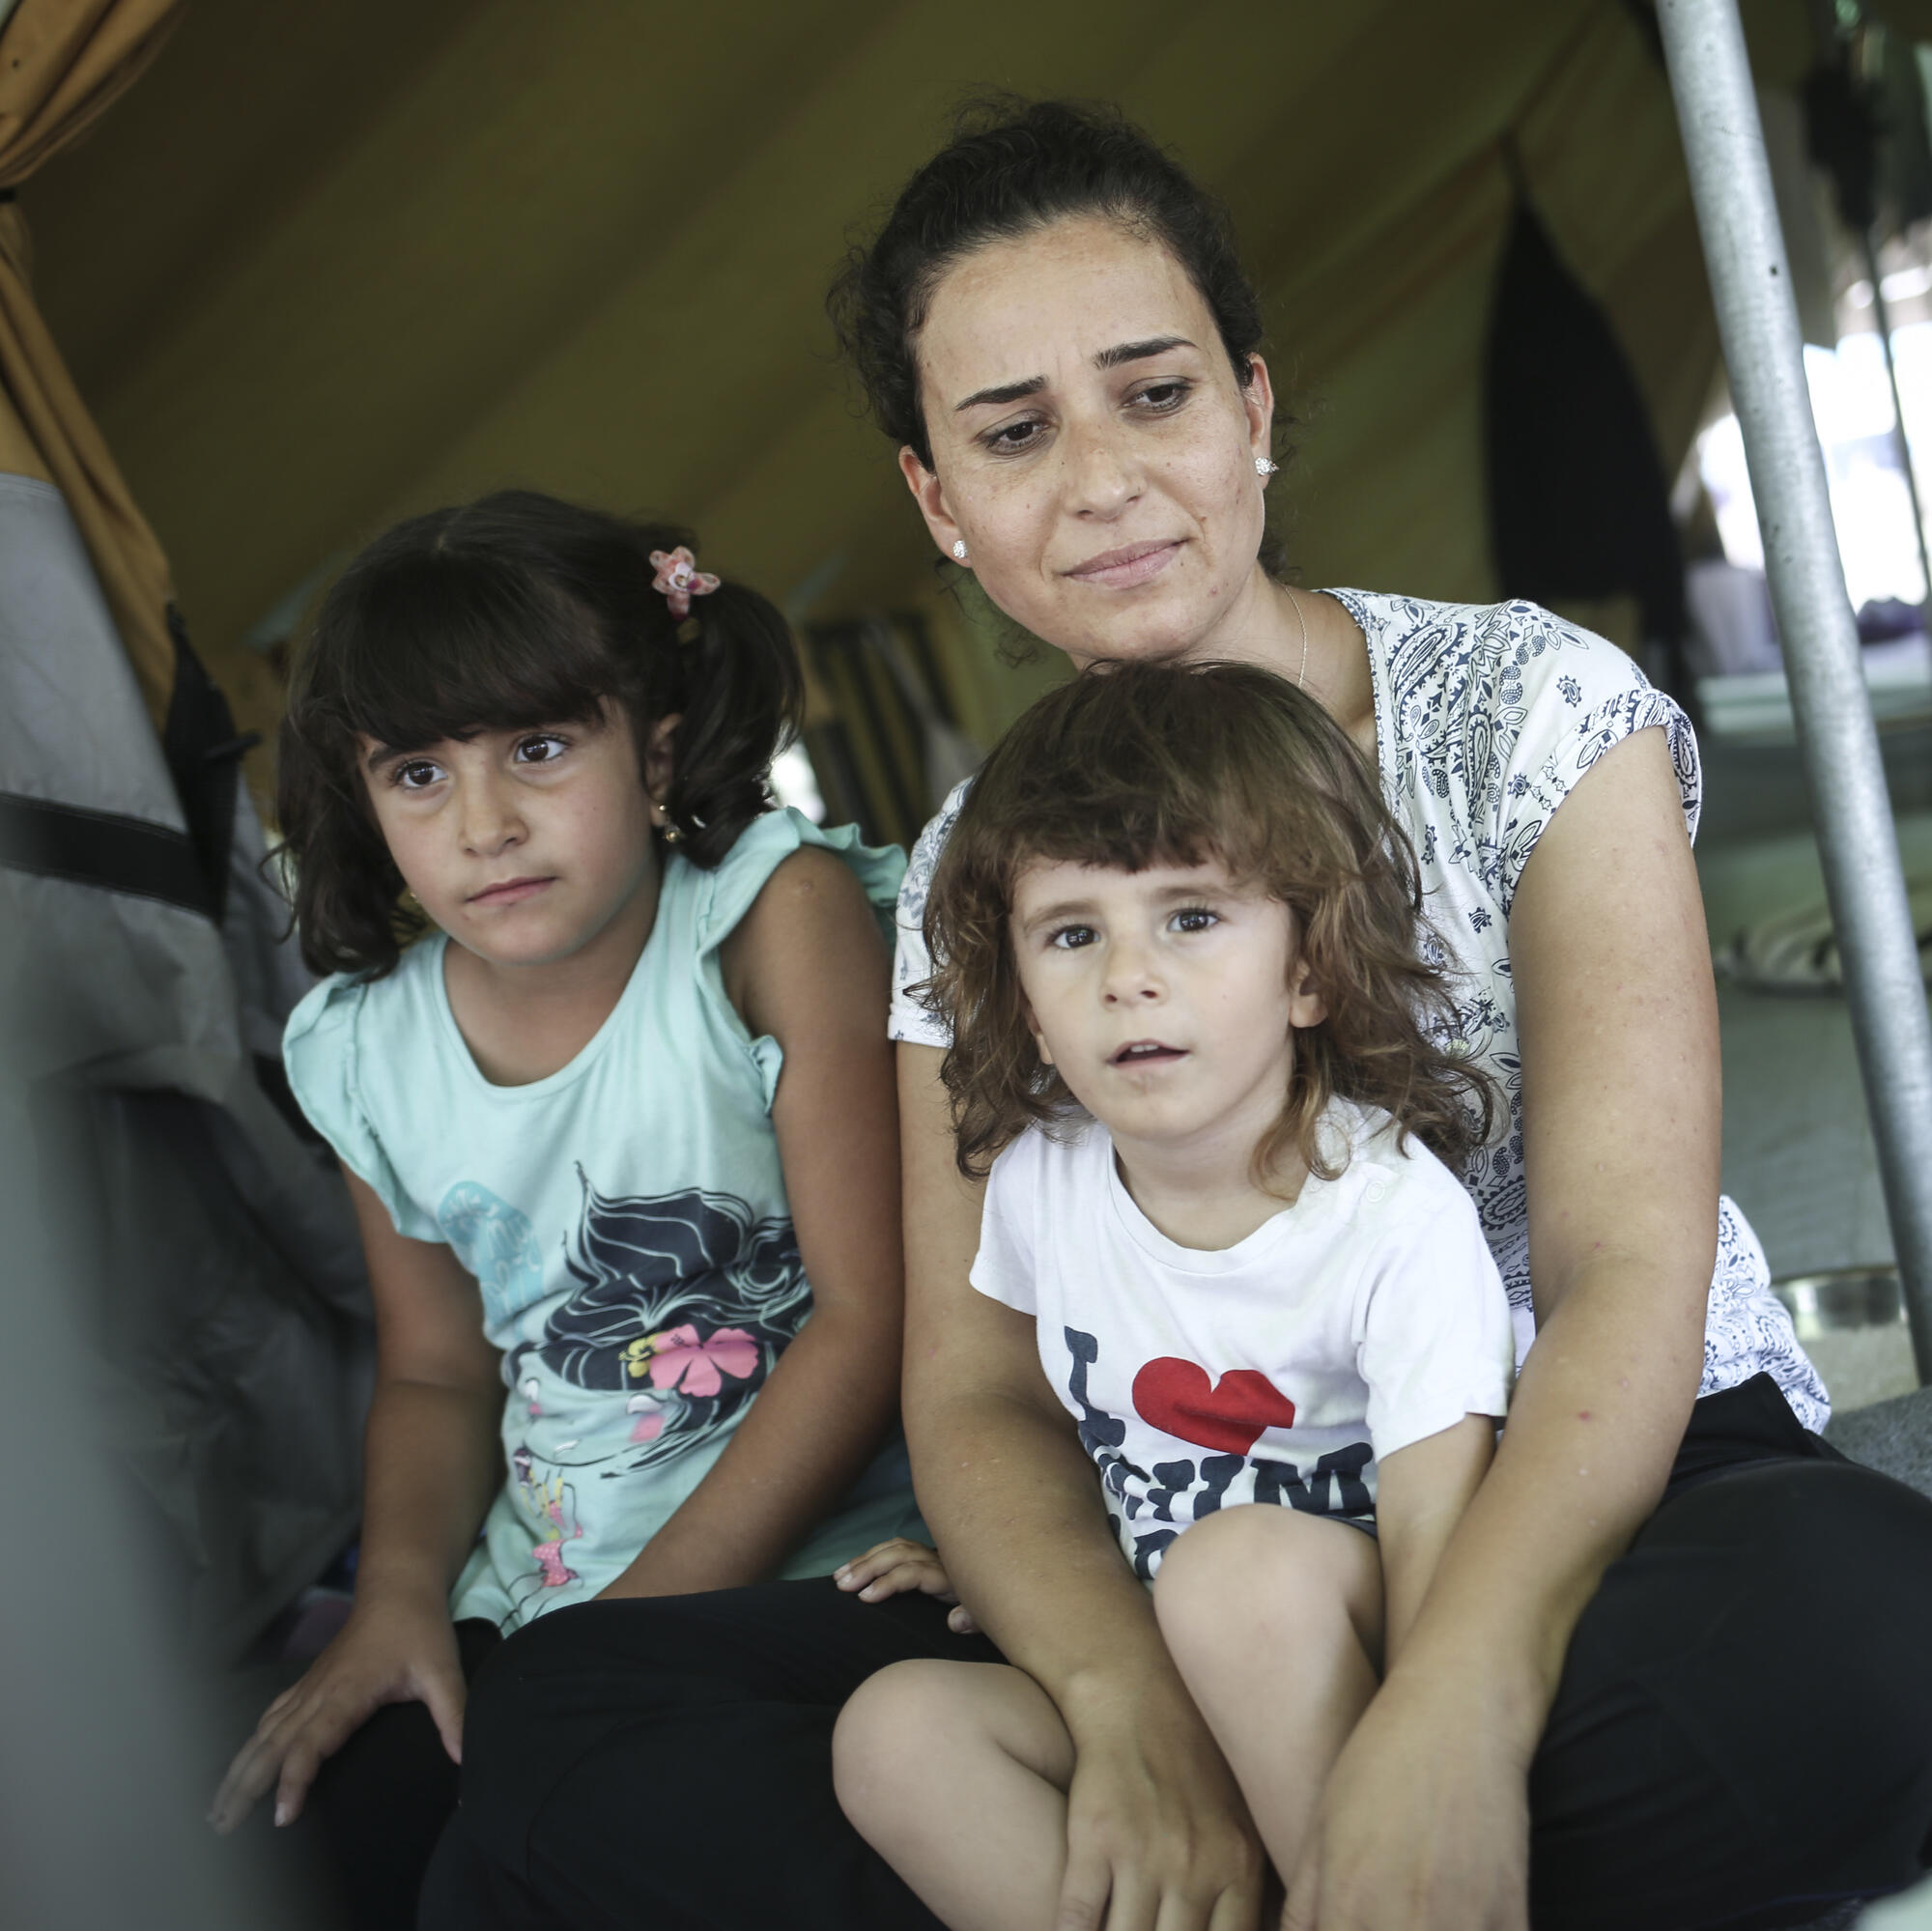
[550,1559]
[680,1360]
[650,1417]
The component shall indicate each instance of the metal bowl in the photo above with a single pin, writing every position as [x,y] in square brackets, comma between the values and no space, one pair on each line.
[1840,1299]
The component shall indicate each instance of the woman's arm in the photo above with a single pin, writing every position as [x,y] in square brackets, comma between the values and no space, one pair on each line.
[1618,1030]
[806,966]
[1153,1814]
[433,1460]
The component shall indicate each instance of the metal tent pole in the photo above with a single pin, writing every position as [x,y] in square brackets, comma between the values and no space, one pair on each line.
[1758,320]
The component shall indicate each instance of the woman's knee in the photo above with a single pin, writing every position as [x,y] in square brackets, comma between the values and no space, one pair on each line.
[1792,1593]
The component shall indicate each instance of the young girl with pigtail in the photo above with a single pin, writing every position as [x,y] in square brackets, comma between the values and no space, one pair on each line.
[601,1053]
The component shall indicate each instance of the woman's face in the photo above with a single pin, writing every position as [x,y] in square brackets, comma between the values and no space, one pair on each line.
[1090,444]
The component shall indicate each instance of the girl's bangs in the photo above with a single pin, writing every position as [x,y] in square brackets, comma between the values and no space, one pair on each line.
[1135,825]
[432,648]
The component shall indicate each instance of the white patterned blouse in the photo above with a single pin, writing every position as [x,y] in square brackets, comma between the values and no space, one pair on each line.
[1486,717]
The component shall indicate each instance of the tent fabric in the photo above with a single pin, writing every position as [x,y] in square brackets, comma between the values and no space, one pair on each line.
[1578,505]
[63,64]
[146,968]
[309,291]
[221,1285]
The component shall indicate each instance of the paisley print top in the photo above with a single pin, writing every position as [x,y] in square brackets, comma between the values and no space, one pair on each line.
[1486,717]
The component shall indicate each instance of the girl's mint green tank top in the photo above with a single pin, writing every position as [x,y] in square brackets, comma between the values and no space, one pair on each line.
[625,1220]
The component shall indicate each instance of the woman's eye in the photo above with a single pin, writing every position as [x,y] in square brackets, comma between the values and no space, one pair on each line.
[1195,918]
[1011,436]
[1070,937]
[546,748]
[418,775]
[1162,398]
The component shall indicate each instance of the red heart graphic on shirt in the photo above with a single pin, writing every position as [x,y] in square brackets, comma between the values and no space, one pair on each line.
[1178,1397]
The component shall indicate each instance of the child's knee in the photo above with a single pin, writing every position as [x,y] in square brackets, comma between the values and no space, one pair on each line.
[1256,1567]
[884,1734]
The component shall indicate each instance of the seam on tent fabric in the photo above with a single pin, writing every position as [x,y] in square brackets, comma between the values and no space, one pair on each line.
[101,849]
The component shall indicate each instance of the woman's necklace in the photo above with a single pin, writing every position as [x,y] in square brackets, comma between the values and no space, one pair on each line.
[1302,675]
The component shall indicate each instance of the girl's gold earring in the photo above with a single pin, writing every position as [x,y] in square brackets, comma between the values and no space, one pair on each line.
[667,827]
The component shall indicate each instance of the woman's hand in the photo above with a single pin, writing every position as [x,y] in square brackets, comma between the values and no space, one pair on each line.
[387,1653]
[1423,1825]
[1157,1834]
[892,1567]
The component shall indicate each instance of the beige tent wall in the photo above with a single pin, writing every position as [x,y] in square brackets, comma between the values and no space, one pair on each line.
[327,265]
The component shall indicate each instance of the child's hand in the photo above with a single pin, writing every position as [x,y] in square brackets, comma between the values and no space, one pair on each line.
[892,1567]
[385,1654]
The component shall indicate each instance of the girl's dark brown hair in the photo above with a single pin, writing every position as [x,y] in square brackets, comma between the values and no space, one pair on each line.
[1140,764]
[515,610]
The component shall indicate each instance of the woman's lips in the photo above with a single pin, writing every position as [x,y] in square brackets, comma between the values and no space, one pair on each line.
[1123,569]
[512,891]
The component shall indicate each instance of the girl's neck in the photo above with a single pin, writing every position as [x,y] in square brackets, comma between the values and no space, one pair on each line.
[522,1022]
[1205,1195]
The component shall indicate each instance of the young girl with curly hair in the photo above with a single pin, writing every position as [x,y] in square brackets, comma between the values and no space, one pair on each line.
[1211,1082]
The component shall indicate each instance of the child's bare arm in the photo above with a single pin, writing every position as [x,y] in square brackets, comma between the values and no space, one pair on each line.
[892,1567]
[1421,1491]
[808,966]
[434,1461]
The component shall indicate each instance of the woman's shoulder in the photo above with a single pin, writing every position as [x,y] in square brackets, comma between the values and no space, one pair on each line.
[917,886]
[1503,655]
[1488,715]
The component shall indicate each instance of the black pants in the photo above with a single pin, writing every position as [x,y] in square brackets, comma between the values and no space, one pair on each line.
[1743,1735]
[380,1803]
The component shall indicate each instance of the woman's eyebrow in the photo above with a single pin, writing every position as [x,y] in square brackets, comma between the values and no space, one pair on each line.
[1107,359]
[1138,351]
[1002,392]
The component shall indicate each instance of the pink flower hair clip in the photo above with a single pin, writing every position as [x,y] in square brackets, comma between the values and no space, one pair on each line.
[679,580]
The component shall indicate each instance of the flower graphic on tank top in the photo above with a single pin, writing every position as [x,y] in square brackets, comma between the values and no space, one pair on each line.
[679,1358]
[497,1245]
[683,1303]
[552,1501]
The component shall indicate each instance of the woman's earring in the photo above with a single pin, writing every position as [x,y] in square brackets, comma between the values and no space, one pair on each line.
[667,827]
[1264,467]
[959,550]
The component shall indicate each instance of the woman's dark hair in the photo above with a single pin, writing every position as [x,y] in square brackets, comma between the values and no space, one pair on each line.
[1138,764]
[515,610]
[1012,168]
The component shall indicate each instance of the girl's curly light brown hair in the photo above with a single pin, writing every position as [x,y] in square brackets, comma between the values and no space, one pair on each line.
[1140,764]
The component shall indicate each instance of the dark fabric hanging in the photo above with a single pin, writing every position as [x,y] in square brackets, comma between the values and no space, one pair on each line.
[1578,506]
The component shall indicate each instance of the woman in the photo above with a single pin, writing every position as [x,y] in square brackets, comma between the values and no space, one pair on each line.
[1671,1670]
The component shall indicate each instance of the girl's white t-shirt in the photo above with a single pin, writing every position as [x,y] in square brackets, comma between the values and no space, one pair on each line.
[1487,717]
[1365,1316]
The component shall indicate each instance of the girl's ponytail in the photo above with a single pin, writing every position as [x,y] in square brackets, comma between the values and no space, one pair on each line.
[743,701]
